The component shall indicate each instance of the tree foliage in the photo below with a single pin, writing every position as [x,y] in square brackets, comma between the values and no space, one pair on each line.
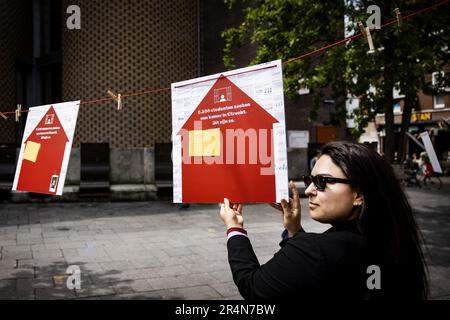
[404,55]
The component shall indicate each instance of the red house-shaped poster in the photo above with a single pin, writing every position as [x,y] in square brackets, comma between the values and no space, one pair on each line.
[227,148]
[43,156]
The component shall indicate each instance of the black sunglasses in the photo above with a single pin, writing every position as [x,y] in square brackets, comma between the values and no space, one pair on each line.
[320,182]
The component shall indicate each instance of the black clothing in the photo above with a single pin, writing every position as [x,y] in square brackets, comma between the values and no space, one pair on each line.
[330,265]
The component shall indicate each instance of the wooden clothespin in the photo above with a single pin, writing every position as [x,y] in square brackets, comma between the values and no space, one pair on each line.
[117,98]
[18,112]
[368,36]
[399,16]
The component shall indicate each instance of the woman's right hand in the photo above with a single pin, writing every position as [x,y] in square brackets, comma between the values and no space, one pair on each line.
[291,211]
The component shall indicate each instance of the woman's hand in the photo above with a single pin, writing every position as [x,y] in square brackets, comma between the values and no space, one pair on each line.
[231,215]
[291,211]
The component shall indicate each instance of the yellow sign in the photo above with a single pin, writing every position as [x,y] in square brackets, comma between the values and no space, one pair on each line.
[204,143]
[31,151]
[424,116]
[59,279]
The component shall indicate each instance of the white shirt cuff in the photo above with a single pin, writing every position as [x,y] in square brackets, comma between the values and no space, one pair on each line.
[235,233]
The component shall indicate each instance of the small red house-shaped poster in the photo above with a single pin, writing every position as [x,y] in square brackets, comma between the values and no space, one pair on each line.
[43,156]
[44,153]
[227,148]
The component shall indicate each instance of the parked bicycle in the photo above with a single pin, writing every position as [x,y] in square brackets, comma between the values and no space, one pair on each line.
[428,179]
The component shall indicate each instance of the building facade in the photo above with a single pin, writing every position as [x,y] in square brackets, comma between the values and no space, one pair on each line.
[432,115]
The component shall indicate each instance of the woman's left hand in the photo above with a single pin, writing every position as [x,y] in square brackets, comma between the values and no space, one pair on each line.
[291,211]
[231,214]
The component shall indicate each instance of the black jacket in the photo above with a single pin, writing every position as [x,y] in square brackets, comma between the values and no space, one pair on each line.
[329,265]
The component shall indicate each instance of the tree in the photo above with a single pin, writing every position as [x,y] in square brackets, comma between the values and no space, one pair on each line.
[404,54]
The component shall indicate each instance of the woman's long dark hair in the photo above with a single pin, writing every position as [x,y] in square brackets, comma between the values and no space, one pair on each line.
[386,220]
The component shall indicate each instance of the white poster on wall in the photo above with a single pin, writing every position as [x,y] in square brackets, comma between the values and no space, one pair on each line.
[298,139]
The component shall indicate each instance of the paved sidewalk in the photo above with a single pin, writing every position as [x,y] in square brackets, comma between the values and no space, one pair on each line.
[432,209]
[153,250]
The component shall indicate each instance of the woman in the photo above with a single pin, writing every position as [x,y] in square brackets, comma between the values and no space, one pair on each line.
[355,190]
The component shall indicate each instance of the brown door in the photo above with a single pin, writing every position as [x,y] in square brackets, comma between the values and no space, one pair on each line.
[326,134]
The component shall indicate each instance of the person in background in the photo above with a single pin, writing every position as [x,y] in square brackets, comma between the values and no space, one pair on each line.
[408,162]
[427,168]
[422,163]
[415,161]
[355,190]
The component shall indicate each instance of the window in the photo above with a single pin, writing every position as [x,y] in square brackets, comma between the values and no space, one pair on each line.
[396,93]
[438,100]
[303,89]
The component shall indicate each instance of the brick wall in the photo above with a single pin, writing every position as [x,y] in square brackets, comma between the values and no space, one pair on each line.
[128,46]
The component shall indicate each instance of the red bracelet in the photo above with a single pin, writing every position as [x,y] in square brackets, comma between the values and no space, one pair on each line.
[236,229]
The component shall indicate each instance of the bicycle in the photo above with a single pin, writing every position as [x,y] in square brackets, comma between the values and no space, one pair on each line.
[432,181]
[412,178]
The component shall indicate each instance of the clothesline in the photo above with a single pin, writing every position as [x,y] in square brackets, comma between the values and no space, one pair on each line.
[324,48]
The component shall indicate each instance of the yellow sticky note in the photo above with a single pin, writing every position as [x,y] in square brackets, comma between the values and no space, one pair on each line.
[211,142]
[31,151]
[195,143]
[204,143]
